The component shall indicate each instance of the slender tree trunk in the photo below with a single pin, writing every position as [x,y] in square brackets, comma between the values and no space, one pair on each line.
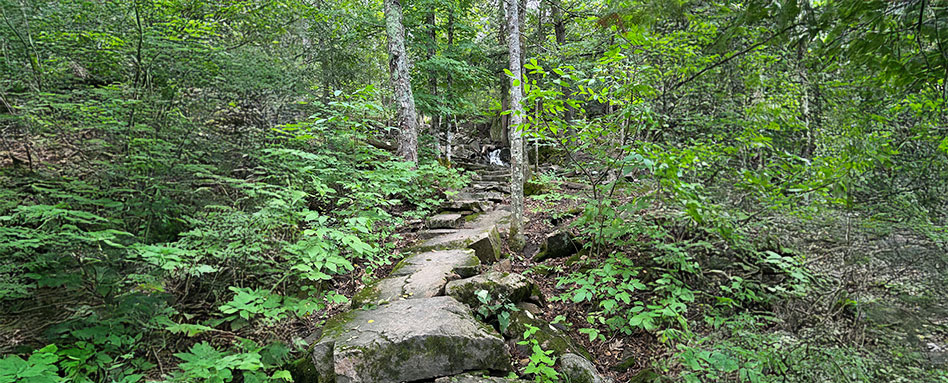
[504,81]
[401,82]
[516,120]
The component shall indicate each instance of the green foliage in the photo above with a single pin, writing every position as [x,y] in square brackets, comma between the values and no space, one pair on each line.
[39,368]
[494,309]
[541,362]
[204,363]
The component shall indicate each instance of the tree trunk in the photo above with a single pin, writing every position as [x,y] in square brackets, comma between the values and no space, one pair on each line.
[516,120]
[504,81]
[401,82]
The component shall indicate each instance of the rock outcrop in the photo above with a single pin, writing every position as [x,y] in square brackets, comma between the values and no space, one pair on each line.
[404,341]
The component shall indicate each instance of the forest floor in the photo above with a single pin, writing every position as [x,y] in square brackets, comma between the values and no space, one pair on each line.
[878,288]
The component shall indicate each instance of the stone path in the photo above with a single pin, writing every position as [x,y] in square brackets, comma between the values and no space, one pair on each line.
[418,324]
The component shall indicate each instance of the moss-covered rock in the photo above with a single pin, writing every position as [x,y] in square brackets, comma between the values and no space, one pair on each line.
[549,337]
[406,340]
[578,369]
[560,244]
[500,285]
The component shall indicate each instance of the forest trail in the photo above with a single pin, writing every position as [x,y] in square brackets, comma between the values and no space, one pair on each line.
[428,320]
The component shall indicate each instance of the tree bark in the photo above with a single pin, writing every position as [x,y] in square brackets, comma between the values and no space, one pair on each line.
[401,82]
[516,120]
[504,81]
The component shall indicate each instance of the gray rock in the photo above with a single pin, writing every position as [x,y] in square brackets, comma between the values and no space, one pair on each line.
[499,285]
[487,187]
[445,221]
[474,378]
[429,234]
[579,370]
[548,336]
[429,272]
[484,241]
[531,308]
[495,178]
[403,341]
[382,291]
[421,275]
[560,244]
[467,203]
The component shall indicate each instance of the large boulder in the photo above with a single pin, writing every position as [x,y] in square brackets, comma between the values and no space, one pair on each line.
[499,285]
[403,341]
[560,244]
[548,336]
[421,275]
[580,370]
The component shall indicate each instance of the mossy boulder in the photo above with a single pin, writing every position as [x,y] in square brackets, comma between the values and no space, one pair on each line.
[549,337]
[500,285]
[407,340]
[560,244]
[578,369]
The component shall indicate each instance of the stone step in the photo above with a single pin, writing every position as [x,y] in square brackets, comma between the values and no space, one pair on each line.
[406,341]
[429,234]
[445,221]
[480,234]
[487,186]
[422,275]
[467,203]
[498,178]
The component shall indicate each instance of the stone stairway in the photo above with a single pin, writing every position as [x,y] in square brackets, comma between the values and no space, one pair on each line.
[417,324]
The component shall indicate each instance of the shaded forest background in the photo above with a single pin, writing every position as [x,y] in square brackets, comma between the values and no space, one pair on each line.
[187,186]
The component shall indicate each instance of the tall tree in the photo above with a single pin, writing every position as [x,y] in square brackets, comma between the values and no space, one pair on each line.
[516,120]
[401,82]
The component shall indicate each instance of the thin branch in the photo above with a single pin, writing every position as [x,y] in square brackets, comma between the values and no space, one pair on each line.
[733,56]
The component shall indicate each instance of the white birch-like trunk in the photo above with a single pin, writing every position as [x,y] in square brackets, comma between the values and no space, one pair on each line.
[516,120]
[401,82]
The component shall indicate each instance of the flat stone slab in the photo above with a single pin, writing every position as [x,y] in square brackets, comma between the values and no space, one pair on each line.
[429,234]
[445,221]
[493,218]
[406,341]
[469,204]
[499,178]
[421,275]
[484,241]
